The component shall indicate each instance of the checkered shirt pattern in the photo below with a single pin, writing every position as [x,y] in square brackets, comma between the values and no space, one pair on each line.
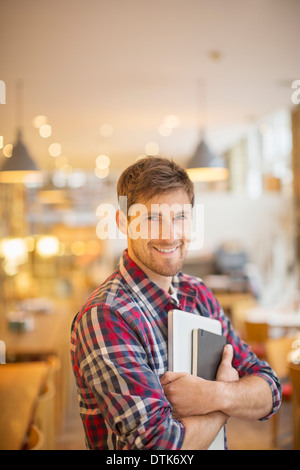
[119,353]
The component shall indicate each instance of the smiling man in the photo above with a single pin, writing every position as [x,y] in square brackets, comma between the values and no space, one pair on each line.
[127,398]
[160,245]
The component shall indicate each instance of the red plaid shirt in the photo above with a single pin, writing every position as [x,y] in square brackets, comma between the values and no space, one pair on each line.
[119,353]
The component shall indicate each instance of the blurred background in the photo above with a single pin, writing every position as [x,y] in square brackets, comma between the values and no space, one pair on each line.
[87,88]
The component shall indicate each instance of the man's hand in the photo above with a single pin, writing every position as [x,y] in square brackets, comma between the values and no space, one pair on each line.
[226,373]
[184,391]
[190,395]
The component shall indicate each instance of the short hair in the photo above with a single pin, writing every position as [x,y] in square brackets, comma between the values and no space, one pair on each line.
[151,176]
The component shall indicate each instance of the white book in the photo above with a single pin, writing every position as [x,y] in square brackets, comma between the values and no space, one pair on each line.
[180,328]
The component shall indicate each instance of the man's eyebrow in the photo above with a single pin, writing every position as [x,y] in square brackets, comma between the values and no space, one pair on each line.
[184,210]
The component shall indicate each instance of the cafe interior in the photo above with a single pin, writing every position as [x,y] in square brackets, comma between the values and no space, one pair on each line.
[88,88]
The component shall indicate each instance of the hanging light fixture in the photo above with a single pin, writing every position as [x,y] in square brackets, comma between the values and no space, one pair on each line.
[205,166]
[20,166]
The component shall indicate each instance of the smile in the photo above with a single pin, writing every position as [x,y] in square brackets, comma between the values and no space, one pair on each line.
[162,250]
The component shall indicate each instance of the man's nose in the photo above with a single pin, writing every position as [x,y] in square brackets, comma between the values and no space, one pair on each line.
[167,231]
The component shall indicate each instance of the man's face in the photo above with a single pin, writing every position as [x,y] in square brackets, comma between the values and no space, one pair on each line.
[159,232]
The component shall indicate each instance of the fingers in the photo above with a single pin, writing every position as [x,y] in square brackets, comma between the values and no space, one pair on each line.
[169,377]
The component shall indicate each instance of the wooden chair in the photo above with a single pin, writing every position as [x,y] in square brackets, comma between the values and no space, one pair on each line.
[256,335]
[35,439]
[294,370]
[45,415]
[239,311]
[277,350]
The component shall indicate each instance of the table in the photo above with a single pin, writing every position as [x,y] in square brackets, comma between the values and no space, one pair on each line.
[50,339]
[50,331]
[20,386]
[274,318]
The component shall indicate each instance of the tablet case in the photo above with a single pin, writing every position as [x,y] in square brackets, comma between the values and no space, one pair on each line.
[207,350]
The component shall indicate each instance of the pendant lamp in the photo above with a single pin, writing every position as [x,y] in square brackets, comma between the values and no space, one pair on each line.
[20,167]
[204,166]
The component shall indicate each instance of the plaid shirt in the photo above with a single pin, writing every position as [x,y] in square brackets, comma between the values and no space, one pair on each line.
[119,353]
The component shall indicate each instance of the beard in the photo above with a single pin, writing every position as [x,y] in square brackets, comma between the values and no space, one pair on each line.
[164,267]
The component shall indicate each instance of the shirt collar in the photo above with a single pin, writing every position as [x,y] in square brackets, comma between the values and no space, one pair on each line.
[150,293]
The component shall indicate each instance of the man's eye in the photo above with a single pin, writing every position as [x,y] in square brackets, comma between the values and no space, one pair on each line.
[153,218]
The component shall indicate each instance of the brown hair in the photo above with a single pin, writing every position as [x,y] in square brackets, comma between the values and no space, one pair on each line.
[150,176]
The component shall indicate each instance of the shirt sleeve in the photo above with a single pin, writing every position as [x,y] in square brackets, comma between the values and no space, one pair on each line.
[247,363]
[128,392]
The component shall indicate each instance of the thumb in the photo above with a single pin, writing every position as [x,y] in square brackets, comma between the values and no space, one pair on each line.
[227,354]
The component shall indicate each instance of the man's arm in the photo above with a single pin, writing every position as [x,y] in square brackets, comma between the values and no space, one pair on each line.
[246,398]
[118,384]
[200,431]
[249,398]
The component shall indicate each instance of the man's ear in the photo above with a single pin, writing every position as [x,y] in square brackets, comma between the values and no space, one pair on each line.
[121,221]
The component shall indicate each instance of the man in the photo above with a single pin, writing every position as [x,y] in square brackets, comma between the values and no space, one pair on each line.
[128,399]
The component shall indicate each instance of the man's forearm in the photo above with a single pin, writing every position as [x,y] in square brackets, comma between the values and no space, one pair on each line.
[248,398]
[200,431]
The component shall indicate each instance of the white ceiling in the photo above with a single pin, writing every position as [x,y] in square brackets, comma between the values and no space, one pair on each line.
[130,63]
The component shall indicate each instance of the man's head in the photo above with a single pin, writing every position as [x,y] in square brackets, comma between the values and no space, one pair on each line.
[151,176]
[162,195]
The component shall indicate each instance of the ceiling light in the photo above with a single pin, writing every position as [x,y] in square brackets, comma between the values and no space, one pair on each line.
[152,148]
[102,162]
[20,167]
[14,249]
[47,246]
[7,150]
[172,121]
[205,166]
[54,149]
[1,141]
[39,121]
[45,131]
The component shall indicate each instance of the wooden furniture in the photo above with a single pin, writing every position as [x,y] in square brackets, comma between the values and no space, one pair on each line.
[50,330]
[50,342]
[256,336]
[295,378]
[20,387]
[277,350]
[229,301]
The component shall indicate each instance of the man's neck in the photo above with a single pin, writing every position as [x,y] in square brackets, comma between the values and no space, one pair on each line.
[164,282]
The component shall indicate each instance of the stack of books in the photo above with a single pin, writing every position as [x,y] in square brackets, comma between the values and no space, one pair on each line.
[195,345]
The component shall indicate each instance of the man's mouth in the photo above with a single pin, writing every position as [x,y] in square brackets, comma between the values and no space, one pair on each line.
[166,250]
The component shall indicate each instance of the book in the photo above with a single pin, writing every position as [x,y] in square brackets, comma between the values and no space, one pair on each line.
[180,327]
[180,330]
[207,350]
